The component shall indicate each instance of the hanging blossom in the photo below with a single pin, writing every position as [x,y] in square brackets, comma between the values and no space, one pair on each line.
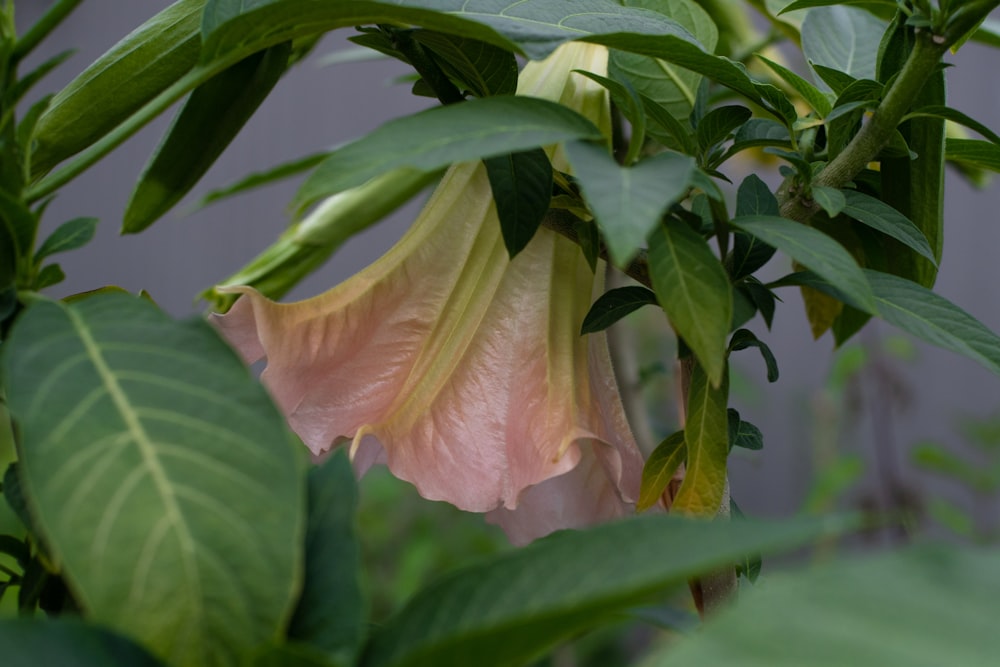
[462,370]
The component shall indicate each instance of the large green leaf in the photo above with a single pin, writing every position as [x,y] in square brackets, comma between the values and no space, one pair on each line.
[694,291]
[813,249]
[878,215]
[670,86]
[925,606]
[67,643]
[210,119]
[331,611]
[161,475]
[131,73]
[932,318]
[843,38]
[513,607]
[535,27]
[437,137]
[628,202]
[706,436]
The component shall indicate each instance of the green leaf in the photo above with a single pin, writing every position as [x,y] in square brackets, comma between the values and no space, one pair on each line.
[666,129]
[437,137]
[630,104]
[744,338]
[877,611]
[49,275]
[330,614]
[614,305]
[719,123]
[815,97]
[878,215]
[210,119]
[887,5]
[815,250]
[70,235]
[262,178]
[161,475]
[955,116]
[844,38]
[672,88]
[932,318]
[534,27]
[482,69]
[26,82]
[831,200]
[68,643]
[706,436]
[973,153]
[131,73]
[21,224]
[753,197]
[693,289]
[743,434]
[759,132]
[659,469]
[292,655]
[571,581]
[837,81]
[628,202]
[522,188]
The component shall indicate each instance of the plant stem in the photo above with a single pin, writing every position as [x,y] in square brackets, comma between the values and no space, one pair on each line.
[49,21]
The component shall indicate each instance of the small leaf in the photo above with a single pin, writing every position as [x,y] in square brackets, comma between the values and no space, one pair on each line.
[706,436]
[262,178]
[762,298]
[68,236]
[837,81]
[743,434]
[522,188]
[614,305]
[628,202]
[630,104]
[694,291]
[878,215]
[744,338]
[659,470]
[49,275]
[831,200]
[20,223]
[719,123]
[437,137]
[816,98]
[816,250]
[753,197]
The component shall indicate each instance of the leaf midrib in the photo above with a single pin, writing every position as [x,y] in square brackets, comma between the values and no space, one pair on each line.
[147,451]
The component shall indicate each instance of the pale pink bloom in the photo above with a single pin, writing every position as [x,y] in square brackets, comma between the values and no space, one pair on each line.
[462,370]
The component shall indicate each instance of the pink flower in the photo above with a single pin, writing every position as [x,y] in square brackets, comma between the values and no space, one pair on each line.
[461,369]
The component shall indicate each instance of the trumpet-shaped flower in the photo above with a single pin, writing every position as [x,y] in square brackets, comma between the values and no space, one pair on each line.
[461,369]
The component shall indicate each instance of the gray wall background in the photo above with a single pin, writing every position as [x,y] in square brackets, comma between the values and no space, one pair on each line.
[313,108]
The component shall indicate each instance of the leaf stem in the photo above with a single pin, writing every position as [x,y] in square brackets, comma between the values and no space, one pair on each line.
[41,29]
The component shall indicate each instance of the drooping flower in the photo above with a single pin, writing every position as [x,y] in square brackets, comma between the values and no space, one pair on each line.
[461,369]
